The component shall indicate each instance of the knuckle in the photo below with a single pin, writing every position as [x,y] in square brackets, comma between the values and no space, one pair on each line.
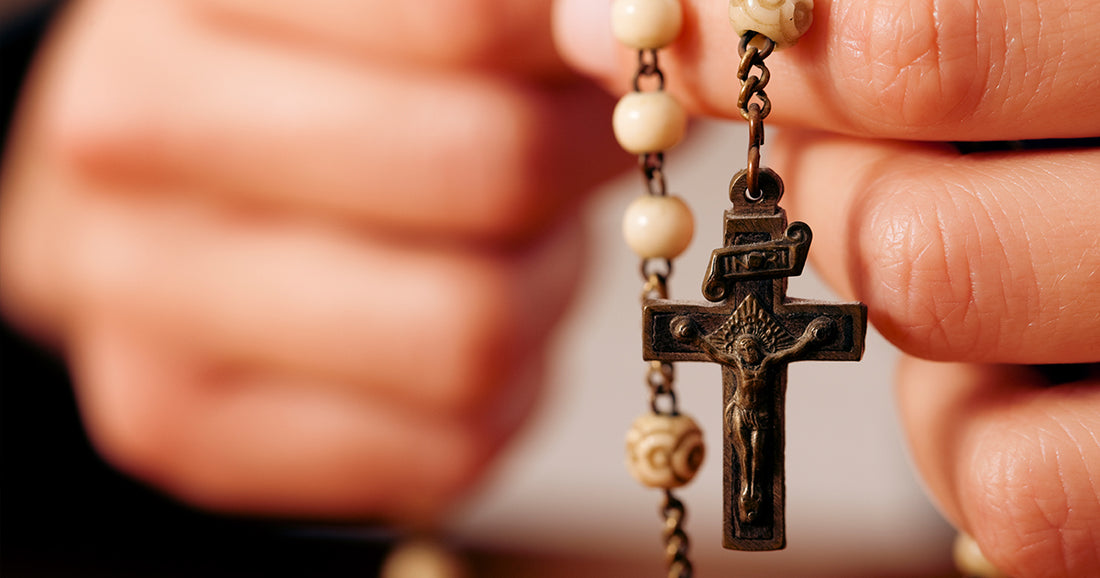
[478,323]
[505,175]
[135,437]
[913,65]
[471,29]
[90,123]
[468,456]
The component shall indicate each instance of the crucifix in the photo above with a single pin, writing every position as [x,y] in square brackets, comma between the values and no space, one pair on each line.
[754,330]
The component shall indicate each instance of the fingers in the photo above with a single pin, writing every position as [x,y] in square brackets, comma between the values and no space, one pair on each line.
[985,257]
[240,120]
[922,70]
[303,298]
[510,33]
[1010,459]
[276,444]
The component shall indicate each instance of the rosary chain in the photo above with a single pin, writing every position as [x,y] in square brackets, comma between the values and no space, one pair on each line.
[676,541]
[653,165]
[655,272]
[647,67]
[752,85]
[660,376]
[753,103]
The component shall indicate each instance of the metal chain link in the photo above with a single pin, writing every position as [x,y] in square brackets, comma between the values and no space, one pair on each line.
[653,169]
[676,541]
[753,103]
[648,67]
[660,376]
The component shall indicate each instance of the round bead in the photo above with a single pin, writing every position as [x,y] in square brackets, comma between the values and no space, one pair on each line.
[646,24]
[658,227]
[647,122]
[784,21]
[419,558]
[971,562]
[664,451]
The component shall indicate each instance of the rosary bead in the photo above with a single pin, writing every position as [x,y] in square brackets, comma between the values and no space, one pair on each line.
[421,558]
[664,451]
[646,122]
[646,24]
[784,21]
[658,227]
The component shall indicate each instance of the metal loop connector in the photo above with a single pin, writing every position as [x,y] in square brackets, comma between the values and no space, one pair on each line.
[647,66]
[752,85]
[652,165]
[762,47]
[755,116]
[676,541]
[661,268]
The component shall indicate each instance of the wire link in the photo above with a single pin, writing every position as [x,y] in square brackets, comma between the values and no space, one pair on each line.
[648,67]
[653,169]
[753,103]
[661,375]
[655,287]
[662,268]
[754,48]
[676,541]
[753,193]
[660,378]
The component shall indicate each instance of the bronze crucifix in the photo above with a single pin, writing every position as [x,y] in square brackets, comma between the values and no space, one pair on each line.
[753,330]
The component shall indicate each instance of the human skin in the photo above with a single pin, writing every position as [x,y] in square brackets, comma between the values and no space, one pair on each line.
[301,257]
[970,264]
[228,218]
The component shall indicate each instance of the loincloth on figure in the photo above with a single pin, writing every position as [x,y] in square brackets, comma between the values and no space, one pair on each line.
[745,418]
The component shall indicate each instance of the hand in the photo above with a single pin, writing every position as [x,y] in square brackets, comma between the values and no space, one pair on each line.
[969,263]
[301,256]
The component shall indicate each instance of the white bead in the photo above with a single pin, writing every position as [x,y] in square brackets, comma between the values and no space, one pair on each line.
[646,24]
[664,451]
[784,21]
[658,227]
[646,122]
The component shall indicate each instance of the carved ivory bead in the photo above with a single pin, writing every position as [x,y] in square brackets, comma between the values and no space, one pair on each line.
[646,24]
[784,21]
[664,451]
[657,227]
[647,122]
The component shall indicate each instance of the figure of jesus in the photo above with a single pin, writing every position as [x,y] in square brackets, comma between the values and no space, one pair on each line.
[748,413]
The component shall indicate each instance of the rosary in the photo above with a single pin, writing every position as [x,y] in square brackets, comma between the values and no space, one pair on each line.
[750,327]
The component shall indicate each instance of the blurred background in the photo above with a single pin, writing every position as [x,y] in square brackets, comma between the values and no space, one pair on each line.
[562,501]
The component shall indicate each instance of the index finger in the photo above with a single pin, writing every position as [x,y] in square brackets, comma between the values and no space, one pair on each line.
[510,34]
[912,69]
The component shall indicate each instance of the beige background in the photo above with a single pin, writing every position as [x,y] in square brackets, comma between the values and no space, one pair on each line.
[563,496]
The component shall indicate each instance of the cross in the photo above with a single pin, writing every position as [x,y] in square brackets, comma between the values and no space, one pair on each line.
[754,330]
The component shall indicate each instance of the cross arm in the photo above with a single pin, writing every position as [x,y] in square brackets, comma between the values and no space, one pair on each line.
[795,315]
[658,343]
[849,339]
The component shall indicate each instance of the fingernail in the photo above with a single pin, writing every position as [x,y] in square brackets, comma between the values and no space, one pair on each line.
[582,31]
